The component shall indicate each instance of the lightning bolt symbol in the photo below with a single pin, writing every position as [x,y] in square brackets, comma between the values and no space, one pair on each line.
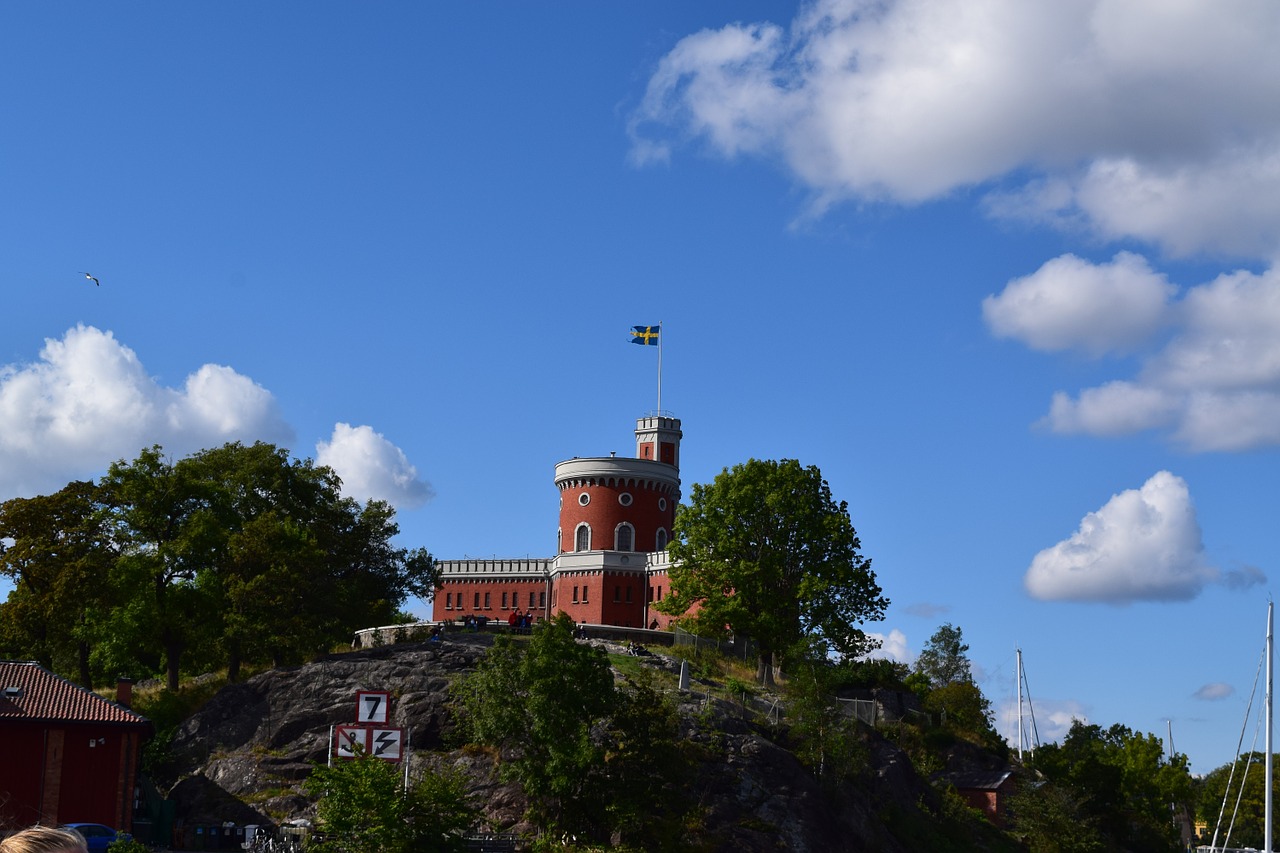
[385,741]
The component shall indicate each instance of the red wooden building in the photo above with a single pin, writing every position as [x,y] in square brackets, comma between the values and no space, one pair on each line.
[610,564]
[69,755]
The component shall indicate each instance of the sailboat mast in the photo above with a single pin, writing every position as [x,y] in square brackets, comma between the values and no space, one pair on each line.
[1270,665]
[1019,651]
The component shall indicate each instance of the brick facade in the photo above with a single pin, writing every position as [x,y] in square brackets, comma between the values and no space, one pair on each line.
[616,516]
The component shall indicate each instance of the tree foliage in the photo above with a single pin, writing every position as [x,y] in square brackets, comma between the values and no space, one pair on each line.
[825,736]
[1123,783]
[944,659]
[765,551]
[60,561]
[1051,819]
[1242,782]
[362,808]
[234,554]
[592,758]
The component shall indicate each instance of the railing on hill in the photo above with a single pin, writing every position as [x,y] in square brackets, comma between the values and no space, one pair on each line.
[736,647]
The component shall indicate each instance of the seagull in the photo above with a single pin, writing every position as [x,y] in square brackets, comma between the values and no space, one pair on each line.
[92,279]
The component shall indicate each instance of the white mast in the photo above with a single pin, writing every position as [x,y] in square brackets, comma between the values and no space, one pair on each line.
[1019,651]
[1270,664]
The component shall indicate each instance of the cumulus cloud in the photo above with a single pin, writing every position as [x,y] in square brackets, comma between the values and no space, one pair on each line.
[87,401]
[1214,385]
[1142,545]
[1137,118]
[1213,691]
[893,646]
[1053,719]
[1072,303]
[371,467]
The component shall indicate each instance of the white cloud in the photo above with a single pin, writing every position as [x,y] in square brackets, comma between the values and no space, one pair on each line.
[1138,118]
[1214,691]
[1071,303]
[1117,408]
[88,401]
[1215,384]
[893,646]
[1143,545]
[1053,719]
[372,467]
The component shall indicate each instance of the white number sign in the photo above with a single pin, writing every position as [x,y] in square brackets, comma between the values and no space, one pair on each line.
[373,706]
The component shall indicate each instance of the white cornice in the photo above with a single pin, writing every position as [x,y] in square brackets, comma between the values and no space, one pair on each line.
[617,468]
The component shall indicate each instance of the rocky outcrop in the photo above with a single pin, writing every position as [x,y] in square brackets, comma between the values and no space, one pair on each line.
[246,753]
[257,741]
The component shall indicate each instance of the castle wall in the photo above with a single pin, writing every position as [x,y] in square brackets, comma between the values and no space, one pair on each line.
[610,581]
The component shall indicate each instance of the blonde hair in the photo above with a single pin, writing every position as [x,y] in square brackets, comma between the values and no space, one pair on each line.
[44,839]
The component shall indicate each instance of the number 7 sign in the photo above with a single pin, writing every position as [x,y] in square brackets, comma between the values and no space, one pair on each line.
[373,706]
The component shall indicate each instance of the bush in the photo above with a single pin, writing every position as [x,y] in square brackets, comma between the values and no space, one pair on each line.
[127,845]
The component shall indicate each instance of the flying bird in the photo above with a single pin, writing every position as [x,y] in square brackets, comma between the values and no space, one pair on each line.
[92,279]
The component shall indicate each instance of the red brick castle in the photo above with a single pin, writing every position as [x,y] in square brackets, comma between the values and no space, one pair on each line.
[610,564]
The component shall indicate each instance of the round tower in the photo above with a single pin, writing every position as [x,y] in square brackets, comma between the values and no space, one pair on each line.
[614,503]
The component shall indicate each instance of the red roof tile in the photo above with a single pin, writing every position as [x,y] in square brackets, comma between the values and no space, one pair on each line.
[42,696]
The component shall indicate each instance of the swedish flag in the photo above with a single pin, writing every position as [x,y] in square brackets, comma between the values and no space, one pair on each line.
[645,336]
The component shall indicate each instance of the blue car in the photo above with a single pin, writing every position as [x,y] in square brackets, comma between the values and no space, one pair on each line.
[96,835]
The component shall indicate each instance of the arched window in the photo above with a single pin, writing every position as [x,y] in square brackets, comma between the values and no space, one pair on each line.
[661,540]
[582,538]
[624,537]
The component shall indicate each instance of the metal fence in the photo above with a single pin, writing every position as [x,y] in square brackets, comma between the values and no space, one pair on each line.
[737,647]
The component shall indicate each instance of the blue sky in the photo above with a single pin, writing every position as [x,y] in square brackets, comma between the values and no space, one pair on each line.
[1004,272]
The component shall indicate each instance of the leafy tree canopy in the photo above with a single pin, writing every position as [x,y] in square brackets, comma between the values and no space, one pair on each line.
[1233,797]
[766,552]
[59,560]
[362,808]
[944,659]
[235,553]
[1122,781]
[593,758]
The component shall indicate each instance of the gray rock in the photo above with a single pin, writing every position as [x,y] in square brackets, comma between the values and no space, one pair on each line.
[247,752]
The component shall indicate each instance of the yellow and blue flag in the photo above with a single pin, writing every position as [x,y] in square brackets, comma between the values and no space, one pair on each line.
[645,336]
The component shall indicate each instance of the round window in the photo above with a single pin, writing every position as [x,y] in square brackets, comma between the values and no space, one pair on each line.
[584,499]
[624,499]
[662,503]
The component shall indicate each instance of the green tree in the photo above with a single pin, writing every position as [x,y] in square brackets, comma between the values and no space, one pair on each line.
[766,552]
[944,659]
[362,808]
[1220,790]
[592,759]
[236,553]
[1050,819]
[295,564]
[60,562]
[540,702]
[826,737]
[1123,781]
[965,709]
[152,507]
[643,759]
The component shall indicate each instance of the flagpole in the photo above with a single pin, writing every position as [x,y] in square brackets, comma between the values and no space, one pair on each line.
[659,368]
